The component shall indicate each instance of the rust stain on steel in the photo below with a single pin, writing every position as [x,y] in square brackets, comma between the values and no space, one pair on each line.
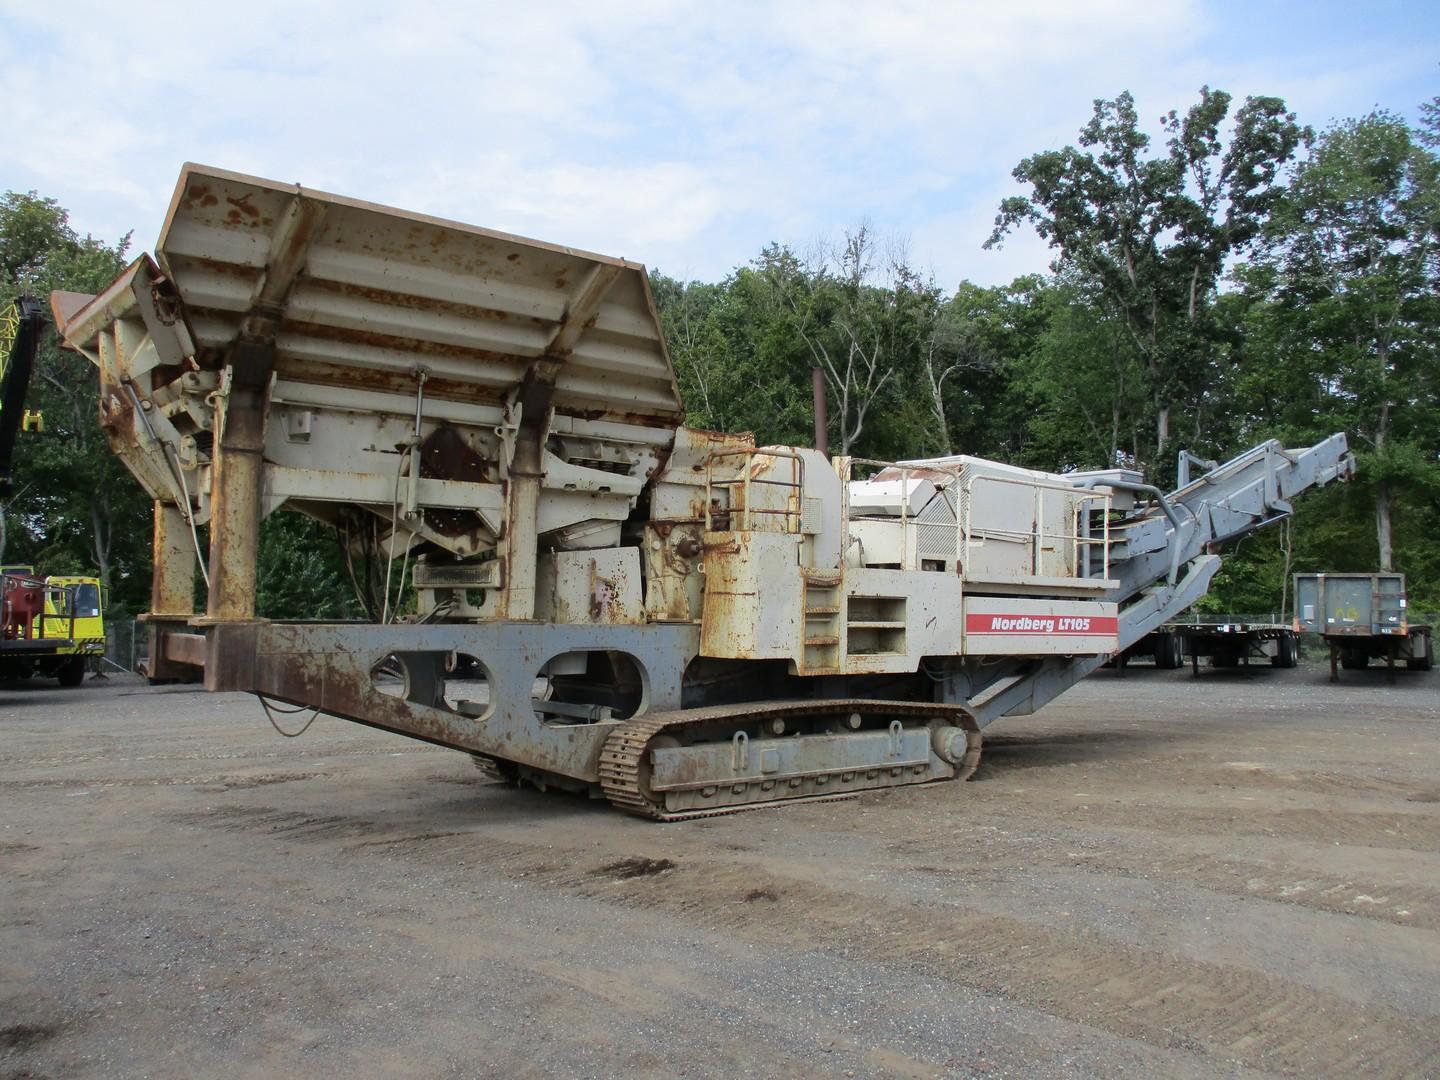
[620,416]
[117,415]
[199,195]
[320,373]
[340,687]
[183,648]
[350,336]
[235,487]
[412,302]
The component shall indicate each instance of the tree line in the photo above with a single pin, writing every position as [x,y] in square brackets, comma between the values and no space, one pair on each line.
[1241,278]
[1244,278]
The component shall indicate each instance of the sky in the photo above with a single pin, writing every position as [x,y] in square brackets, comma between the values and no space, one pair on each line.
[685,136]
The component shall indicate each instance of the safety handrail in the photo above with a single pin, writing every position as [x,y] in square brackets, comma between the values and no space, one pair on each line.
[1084,493]
[797,469]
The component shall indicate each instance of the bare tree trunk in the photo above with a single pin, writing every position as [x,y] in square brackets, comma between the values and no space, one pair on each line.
[1114,432]
[1382,525]
[1382,434]
[100,539]
[936,382]
[937,410]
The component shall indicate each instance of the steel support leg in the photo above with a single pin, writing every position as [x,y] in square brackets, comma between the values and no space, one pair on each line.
[172,588]
[172,591]
[235,487]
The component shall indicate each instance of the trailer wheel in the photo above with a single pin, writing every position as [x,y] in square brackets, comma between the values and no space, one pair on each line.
[1287,652]
[1426,660]
[72,672]
[1169,651]
[1354,660]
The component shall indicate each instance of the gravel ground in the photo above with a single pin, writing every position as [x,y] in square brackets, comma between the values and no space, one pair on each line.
[1235,874]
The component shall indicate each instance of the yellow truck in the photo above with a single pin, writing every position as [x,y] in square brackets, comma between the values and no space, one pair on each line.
[52,626]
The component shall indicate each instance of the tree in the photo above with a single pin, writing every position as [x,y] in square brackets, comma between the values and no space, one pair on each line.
[301,573]
[76,507]
[1083,380]
[1354,250]
[1151,233]
[865,316]
[992,334]
[707,373]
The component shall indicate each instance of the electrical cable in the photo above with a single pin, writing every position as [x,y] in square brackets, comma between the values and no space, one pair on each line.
[404,566]
[365,604]
[172,461]
[394,526]
[189,516]
[270,715]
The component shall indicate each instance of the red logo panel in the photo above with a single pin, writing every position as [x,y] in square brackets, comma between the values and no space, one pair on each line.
[1052,625]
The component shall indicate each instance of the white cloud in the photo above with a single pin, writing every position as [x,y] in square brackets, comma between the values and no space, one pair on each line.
[651,205]
[682,135]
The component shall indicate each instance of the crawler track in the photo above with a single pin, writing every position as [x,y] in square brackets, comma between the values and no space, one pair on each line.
[624,763]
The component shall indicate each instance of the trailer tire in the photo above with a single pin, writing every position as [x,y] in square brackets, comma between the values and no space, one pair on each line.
[1354,660]
[72,672]
[1426,660]
[1287,652]
[1169,651]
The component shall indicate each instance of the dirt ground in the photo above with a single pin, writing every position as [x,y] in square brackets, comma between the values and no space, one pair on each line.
[1158,875]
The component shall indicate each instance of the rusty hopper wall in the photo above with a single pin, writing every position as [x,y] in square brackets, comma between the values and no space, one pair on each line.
[431,382]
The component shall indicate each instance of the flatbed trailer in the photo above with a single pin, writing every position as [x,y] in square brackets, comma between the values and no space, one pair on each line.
[1236,644]
[1363,617]
[1227,644]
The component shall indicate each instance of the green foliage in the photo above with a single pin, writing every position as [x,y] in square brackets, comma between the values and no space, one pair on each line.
[1148,234]
[302,572]
[75,508]
[1345,303]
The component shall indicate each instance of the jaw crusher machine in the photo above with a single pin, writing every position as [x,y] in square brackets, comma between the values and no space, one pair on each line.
[604,600]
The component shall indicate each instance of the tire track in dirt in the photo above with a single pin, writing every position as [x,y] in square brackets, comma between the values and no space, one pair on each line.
[228,781]
[1137,850]
[1263,777]
[1394,902]
[272,821]
[1404,830]
[1292,882]
[1254,1018]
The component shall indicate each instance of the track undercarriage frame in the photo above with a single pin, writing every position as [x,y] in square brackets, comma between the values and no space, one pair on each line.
[632,734]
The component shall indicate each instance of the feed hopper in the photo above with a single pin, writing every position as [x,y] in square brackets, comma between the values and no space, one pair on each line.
[603,599]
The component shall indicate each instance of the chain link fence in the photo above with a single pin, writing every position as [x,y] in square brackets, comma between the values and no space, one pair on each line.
[124,644]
